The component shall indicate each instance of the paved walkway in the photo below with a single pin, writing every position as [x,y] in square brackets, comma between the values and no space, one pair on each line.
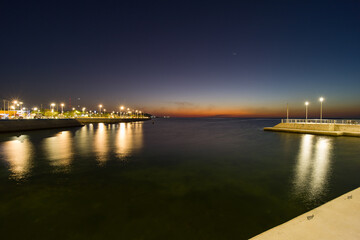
[337,219]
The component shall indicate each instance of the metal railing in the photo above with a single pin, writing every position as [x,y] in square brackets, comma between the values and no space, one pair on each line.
[322,121]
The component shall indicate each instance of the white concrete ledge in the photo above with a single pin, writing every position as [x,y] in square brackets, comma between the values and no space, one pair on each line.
[318,129]
[337,219]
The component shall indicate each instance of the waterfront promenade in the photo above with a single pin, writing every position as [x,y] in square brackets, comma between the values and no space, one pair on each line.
[17,125]
[337,219]
[318,127]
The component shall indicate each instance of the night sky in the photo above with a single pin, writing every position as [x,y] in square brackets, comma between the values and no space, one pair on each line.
[184,58]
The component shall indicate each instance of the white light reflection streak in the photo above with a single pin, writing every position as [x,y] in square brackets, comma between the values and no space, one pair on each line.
[312,166]
[304,160]
[321,165]
[101,143]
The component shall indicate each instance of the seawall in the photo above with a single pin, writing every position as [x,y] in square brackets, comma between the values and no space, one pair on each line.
[330,129]
[36,124]
[110,120]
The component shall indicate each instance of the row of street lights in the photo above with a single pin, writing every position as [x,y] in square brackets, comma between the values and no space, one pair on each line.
[122,112]
[321,100]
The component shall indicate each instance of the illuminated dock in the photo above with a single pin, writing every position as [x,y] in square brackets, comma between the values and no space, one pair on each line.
[318,127]
[337,219]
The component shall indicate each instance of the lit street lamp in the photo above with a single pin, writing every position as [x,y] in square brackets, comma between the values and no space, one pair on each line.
[52,107]
[100,106]
[321,101]
[121,108]
[306,107]
[62,108]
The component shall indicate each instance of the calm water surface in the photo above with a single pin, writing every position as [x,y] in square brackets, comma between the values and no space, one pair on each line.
[175,179]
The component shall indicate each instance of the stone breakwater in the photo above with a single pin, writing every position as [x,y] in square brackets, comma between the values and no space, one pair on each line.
[36,124]
[330,129]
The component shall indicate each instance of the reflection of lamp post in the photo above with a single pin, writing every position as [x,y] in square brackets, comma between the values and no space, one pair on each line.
[306,110]
[321,101]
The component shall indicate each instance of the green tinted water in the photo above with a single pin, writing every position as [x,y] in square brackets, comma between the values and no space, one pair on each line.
[175,179]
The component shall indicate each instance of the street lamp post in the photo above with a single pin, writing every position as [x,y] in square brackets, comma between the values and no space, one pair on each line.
[306,110]
[121,108]
[62,108]
[321,101]
[100,106]
[13,108]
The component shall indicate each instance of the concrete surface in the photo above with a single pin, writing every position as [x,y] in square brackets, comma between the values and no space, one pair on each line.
[36,124]
[318,129]
[337,219]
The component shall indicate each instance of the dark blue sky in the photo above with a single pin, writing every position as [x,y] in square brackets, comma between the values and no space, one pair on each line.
[185,58]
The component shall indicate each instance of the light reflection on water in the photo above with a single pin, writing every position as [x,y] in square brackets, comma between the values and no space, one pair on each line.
[312,168]
[101,143]
[18,154]
[129,138]
[59,150]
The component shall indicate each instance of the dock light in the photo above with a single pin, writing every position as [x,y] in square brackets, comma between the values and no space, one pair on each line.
[35,108]
[321,101]
[306,110]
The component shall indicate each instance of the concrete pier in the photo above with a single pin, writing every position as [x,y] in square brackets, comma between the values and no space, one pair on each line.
[337,219]
[36,124]
[330,129]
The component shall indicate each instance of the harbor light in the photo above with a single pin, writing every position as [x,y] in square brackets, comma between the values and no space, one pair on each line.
[321,101]
[306,110]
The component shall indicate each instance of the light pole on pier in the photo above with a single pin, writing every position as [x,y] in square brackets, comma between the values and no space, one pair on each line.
[287,112]
[321,101]
[306,110]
